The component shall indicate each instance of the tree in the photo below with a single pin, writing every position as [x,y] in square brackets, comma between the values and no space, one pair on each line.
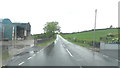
[111,26]
[51,28]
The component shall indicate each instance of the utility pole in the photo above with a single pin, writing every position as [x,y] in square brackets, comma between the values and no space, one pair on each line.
[94,35]
[95,26]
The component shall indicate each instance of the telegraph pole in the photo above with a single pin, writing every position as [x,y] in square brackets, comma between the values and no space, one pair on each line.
[95,26]
[94,35]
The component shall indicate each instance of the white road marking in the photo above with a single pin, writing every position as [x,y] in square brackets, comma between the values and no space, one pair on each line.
[42,49]
[21,63]
[29,58]
[117,60]
[32,45]
[69,52]
[3,65]
[34,55]
[31,52]
[105,56]
[38,52]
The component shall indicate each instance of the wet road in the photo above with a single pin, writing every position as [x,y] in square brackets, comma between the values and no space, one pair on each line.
[64,53]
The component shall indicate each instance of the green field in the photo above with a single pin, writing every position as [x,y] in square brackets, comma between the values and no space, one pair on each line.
[83,38]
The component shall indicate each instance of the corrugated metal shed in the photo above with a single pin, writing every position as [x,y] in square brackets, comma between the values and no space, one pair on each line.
[12,31]
[6,30]
[22,30]
[26,26]
[0,30]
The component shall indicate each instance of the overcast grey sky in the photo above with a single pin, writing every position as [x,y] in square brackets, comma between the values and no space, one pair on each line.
[72,15]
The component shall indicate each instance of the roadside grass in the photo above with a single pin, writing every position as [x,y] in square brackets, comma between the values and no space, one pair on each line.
[5,56]
[46,43]
[81,44]
[89,36]
[85,39]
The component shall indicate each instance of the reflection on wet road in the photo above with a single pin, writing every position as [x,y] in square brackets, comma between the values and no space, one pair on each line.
[64,53]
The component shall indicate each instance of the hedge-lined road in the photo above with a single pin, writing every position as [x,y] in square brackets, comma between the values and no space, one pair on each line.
[64,53]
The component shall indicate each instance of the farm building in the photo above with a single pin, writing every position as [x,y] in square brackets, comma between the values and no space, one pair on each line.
[0,31]
[5,29]
[14,31]
[21,30]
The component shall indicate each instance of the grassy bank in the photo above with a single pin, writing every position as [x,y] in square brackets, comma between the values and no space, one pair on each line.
[86,38]
[5,56]
[46,43]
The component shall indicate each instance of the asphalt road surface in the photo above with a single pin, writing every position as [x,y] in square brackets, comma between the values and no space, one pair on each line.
[64,53]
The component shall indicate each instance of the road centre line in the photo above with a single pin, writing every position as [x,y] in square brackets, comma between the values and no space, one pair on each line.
[3,65]
[21,63]
[29,58]
[38,52]
[33,55]
[69,52]
[42,49]
[117,60]
[105,56]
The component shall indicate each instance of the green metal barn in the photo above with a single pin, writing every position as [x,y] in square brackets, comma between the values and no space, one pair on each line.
[14,31]
[5,29]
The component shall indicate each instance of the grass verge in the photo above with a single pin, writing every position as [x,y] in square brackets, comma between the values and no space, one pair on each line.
[81,44]
[5,56]
[86,38]
[89,36]
[46,43]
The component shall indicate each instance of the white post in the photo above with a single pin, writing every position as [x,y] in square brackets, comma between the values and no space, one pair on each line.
[2,31]
[25,33]
[13,36]
[15,32]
